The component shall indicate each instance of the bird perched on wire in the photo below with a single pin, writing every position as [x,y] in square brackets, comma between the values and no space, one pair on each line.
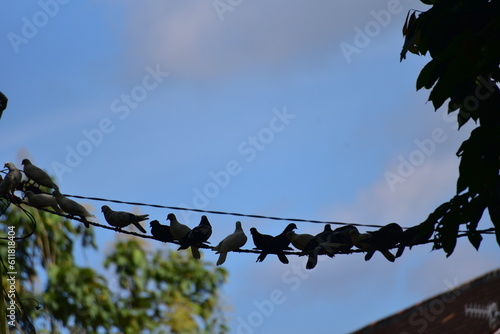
[42,200]
[317,240]
[299,241]
[232,242]
[196,237]
[340,240]
[3,103]
[415,235]
[329,242]
[382,240]
[120,219]
[38,175]
[272,245]
[177,229]
[12,179]
[161,232]
[72,207]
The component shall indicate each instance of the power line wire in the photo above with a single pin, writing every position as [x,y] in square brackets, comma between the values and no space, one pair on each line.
[225,213]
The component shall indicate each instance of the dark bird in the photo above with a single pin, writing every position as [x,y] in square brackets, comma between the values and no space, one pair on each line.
[197,236]
[382,240]
[317,240]
[3,103]
[415,235]
[161,232]
[38,175]
[121,219]
[232,242]
[272,245]
[329,242]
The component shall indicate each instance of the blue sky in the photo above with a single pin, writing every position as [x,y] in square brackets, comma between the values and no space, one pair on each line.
[288,109]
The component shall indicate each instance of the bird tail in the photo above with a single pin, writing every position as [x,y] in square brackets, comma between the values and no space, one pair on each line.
[140,227]
[369,254]
[282,257]
[400,251]
[143,217]
[57,209]
[196,252]
[222,258]
[261,257]
[388,255]
[312,260]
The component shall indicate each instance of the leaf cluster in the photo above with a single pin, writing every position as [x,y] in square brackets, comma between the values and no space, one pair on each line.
[461,37]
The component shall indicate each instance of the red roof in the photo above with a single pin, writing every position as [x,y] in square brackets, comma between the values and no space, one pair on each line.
[473,307]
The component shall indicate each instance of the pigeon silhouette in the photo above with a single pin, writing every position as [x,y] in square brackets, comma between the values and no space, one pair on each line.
[415,235]
[382,240]
[161,232]
[120,219]
[340,240]
[329,242]
[317,240]
[38,175]
[272,245]
[73,208]
[197,236]
[232,242]
[42,200]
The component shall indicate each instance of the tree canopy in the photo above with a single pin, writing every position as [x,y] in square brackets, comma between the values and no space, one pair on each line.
[461,37]
[144,290]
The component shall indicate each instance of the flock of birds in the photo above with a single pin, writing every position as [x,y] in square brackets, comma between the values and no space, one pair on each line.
[328,242]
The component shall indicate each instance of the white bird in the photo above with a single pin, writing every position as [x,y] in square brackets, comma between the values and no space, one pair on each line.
[72,207]
[42,200]
[232,242]
[178,230]
[121,219]
[13,176]
[38,175]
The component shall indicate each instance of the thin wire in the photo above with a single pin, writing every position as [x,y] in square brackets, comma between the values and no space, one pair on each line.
[225,213]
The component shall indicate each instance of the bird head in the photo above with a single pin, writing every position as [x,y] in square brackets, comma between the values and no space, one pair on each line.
[154,223]
[9,165]
[105,208]
[291,227]
[328,228]
[204,220]
[26,162]
[253,230]
[171,216]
